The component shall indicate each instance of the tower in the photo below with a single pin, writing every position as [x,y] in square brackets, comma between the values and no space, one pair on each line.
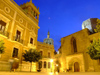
[31,10]
[90,24]
[48,40]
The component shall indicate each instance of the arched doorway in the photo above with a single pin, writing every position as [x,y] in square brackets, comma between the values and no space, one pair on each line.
[76,67]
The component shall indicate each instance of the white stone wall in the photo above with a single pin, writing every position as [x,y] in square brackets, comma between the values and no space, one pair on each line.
[87,24]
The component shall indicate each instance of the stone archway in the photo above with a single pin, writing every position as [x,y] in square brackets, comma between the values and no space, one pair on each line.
[76,67]
[75,64]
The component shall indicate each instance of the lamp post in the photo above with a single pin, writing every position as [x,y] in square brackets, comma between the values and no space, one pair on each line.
[57,68]
[51,64]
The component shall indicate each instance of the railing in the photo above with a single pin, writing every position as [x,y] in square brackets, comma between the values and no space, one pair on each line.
[18,39]
[4,33]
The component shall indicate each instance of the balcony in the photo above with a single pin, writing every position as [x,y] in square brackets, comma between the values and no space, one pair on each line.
[4,33]
[18,40]
[32,45]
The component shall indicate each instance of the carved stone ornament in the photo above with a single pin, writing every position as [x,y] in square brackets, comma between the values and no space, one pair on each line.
[7,10]
[20,20]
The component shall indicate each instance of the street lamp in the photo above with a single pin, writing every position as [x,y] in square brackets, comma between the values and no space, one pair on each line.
[51,60]
[57,65]
[51,64]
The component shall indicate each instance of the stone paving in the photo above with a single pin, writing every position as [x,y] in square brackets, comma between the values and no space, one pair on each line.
[41,73]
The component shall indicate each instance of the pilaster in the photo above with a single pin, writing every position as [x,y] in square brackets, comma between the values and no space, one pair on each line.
[12,26]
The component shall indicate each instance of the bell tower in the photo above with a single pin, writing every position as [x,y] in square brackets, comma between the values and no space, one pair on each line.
[48,36]
[31,10]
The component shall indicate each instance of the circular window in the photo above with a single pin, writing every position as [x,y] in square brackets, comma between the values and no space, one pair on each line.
[7,9]
[20,20]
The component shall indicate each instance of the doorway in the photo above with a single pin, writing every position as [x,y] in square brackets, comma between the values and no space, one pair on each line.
[76,67]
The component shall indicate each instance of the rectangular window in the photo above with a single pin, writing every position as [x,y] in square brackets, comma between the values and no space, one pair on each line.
[44,64]
[18,35]
[2,26]
[48,54]
[15,52]
[48,64]
[31,40]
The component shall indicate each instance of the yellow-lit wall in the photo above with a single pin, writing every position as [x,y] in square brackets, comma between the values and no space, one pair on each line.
[16,19]
[45,48]
[68,57]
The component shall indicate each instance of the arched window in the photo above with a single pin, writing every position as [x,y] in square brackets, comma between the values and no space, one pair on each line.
[74,46]
[44,64]
[40,64]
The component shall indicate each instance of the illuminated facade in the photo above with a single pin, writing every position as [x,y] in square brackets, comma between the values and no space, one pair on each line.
[73,54]
[46,49]
[18,29]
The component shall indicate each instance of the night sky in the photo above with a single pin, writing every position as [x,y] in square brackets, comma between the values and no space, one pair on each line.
[63,17]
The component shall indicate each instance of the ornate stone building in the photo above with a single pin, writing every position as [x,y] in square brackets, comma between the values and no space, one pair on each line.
[18,29]
[73,54]
[46,49]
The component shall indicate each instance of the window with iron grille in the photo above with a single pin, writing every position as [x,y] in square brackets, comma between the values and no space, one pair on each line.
[15,52]
[44,64]
[31,40]
[18,35]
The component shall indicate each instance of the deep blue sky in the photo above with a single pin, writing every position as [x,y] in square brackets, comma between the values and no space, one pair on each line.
[63,17]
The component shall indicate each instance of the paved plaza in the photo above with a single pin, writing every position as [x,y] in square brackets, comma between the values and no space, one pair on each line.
[41,73]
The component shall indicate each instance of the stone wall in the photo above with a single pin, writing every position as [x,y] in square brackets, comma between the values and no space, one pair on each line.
[83,40]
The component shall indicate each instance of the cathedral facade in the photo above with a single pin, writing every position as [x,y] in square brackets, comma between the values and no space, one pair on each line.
[73,51]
